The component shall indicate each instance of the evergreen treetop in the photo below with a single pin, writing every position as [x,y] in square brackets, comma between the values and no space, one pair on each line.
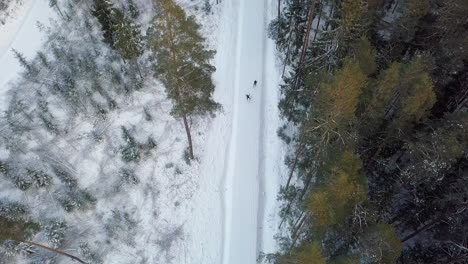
[182,61]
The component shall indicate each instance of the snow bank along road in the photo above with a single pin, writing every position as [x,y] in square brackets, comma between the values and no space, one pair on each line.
[243,176]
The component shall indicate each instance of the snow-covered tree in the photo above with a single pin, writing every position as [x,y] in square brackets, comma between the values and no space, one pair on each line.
[102,10]
[55,232]
[182,63]
[127,37]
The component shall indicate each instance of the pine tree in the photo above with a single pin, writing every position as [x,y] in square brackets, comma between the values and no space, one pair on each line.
[310,253]
[417,94]
[344,187]
[22,231]
[22,60]
[53,3]
[380,245]
[336,102]
[102,10]
[127,37]
[412,12]
[182,63]
[133,9]
[207,7]
[382,103]
[55,232]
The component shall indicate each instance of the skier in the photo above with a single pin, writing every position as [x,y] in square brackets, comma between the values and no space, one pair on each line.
[255,83]
[247,96]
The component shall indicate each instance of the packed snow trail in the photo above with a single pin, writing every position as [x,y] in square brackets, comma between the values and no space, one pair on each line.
[243,168]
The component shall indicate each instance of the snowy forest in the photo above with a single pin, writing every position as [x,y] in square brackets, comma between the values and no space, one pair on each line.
[374,100]
[100,133]
[233,131]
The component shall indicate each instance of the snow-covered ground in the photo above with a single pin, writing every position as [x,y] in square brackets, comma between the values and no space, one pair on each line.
[242,146]
[220,210]
[20,32]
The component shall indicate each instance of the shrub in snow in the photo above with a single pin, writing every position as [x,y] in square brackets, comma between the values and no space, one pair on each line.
[10,249]
[133,9]
[12,210]
[22,182]
[40,178]
[4,168]
[149,146]
[168,239]
[187,156]
[130,152]
[207,7]
[65,177]
[128,176]
[148,116]
[55,232]
[90,256]
[71,199]
[121,227]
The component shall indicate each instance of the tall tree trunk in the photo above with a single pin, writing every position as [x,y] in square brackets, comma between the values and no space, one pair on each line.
[189,136]
[310,18]
[318,22]
[279,9]
[289,44]
[54,250]
[298,229]
[293,168]
[138,68]
[424,227]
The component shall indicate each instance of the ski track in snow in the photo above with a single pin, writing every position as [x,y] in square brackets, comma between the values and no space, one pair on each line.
[241,145]
[243,173]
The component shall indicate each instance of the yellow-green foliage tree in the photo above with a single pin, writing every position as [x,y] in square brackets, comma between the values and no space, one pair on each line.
[383,91]
[417,93]
[310,253]
[336,101]
[334,201]
[402,92]
[353,18]
[380,245]
[364,53]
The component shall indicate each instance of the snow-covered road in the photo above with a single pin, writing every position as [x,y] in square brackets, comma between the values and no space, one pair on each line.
[243,168]
[234,212]
[252,167]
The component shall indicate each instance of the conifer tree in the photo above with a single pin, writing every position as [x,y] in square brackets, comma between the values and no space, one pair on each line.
[53,3]
[21,231]
[133,9]
[127,38]
[22,60]
[336,102]
[344,188]
[417,94]
[102,10]
[311,253]
[182,63]
[380,245]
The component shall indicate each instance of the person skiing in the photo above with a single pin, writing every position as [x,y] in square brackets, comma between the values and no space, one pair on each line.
[255,83]
[247,96]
